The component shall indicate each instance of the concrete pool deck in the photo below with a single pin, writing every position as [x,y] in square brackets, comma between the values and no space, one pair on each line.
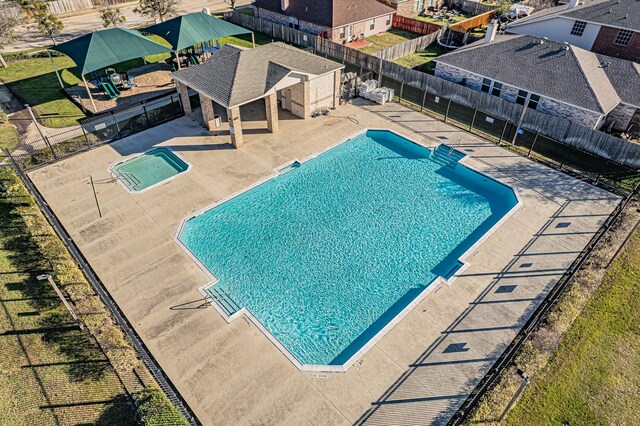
[419,373]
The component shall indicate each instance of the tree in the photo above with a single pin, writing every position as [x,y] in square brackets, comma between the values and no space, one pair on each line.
[111,16]
[7,26]
[503,7]
[157,9]
[231,3]
[46,23]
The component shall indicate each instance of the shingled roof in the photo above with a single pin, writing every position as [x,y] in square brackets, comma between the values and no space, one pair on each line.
[615,13]
[554,70]
[329,13]
[625,78]
[233,76]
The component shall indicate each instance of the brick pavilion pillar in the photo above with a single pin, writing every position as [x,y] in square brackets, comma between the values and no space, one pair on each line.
[235,126]
[207,112]
[271,104]
[183,91]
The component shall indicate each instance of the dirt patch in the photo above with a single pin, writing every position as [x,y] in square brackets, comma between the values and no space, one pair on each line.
[152,80]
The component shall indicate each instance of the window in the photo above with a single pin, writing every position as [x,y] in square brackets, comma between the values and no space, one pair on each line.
[497,88]
[388,20]
[342,32]
[623,38]
[492,87]
[524,95]
[372,24]
[486,85]
[418,6]
[578,28]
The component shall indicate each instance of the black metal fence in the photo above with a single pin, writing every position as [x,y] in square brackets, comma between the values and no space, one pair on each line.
[507,357]
[49,145]
[569,159]
[140,348]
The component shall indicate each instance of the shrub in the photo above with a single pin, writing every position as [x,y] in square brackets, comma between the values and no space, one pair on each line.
[154,409]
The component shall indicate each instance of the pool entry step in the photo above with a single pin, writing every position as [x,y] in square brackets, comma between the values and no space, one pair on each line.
[223,300]
[447,156]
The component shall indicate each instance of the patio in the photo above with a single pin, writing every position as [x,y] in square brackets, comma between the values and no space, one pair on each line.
[419,373]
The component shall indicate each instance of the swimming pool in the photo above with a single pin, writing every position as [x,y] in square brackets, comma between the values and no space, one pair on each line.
[329,253]
[149,169]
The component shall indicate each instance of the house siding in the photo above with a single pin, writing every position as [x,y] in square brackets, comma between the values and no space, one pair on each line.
[362,28]
[558,29]
[622,115]
[604,45]
[509,93]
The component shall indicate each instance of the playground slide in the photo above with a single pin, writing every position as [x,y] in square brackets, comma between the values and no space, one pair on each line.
[110,90]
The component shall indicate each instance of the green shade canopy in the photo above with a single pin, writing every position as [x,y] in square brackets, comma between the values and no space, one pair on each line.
[188,30]
[102,48]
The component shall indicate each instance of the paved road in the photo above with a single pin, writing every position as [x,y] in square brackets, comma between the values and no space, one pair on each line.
[75,26]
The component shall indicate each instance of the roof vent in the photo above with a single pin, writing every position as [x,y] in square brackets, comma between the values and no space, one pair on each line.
[539,41]
[566,46]
[605,64]
[572,4]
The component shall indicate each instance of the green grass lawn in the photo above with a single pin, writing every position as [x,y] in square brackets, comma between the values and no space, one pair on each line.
[49,369]
[419,57]
[34,82]
[8,137]
[387,39]
[594,376]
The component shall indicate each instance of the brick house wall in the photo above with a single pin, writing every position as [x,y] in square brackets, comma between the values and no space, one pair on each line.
[509,93]
[407,7]
[279,18]
[604,44]
[362,27]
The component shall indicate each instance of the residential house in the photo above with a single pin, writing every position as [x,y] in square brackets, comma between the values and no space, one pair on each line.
[550,77]
[625,78]
[608,27]
[338,20]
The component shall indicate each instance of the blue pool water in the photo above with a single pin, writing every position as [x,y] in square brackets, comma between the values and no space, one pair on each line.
[326,254]
[150,168]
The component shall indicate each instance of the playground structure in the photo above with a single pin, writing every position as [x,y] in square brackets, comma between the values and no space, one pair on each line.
[98,54]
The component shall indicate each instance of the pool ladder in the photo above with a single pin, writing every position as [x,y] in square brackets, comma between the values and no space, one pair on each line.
[224,301]
[131,181]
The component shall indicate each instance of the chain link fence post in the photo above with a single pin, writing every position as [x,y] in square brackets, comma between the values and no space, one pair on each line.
[446,114]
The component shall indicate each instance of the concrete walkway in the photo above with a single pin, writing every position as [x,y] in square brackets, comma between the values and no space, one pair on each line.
[231,374]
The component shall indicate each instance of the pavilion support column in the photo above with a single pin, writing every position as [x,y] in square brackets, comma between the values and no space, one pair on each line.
[271,104]
[337,81]
[86,86]
[306,87]
[235,126]
[183,91]
[207,112]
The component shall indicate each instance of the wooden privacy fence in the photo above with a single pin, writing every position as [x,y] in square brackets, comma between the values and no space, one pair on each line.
[414,25]
[9,9]
[408,47]
[562,130]
[473,7]
[65,6]
[474,22]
